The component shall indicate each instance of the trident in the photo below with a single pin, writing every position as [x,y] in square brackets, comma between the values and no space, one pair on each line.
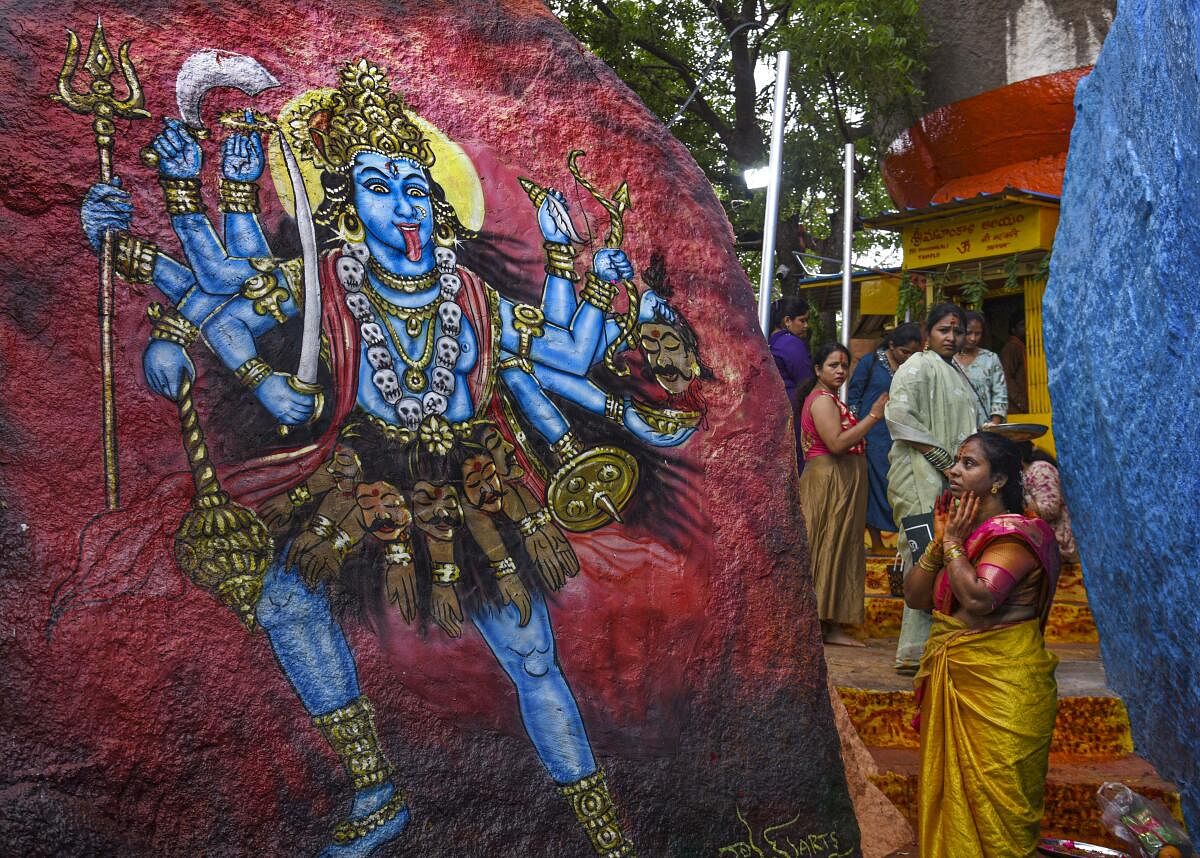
[100,101]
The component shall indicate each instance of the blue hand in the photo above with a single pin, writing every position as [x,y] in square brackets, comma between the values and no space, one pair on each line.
[179,155]
[612,265]
[652,307]
[242,155]
[641,430]
[105,207]
[286,405]
[554,219]
[165,364]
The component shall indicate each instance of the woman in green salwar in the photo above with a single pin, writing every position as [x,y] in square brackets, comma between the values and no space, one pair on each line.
[931,409]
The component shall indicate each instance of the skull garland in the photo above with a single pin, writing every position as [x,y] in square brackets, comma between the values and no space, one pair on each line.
[350,269]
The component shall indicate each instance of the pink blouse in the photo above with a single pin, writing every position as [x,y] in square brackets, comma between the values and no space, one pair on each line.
[810,438]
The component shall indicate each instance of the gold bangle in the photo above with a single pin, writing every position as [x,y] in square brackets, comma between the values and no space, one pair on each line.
[953,552]
[341,542]
[300,495]
[614,408]
[239,197]
[182,196]
[534,522]
[322,526]
[566,448]
[398,553]
[133,258]
[446,573]
[504,568]
[560,261]
[253,372]
[171,327]
[599,293]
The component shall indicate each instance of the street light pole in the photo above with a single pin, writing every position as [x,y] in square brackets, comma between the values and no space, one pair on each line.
[767,277]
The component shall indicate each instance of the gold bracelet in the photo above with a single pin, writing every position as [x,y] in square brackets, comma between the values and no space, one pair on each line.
[182,196]
[614,408]
[171,327]
[504,568]
[952,552]
[566,448]
[239,197]
[534,522]
[300,495]
[560,261]
[133,258]
[446,573]
[398,553]
[341,542]
[253,372]
[322,526]
[599,293]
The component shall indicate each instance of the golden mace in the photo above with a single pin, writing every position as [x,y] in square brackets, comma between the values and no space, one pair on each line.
[100,101]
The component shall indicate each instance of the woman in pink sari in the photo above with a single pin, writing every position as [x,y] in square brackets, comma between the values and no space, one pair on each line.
[986,684]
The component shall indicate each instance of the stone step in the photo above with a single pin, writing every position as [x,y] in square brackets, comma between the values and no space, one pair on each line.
[1094,728]
[1070,622]
[1070,799]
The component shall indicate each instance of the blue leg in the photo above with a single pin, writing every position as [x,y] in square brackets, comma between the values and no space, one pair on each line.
[548,709]
[316,659]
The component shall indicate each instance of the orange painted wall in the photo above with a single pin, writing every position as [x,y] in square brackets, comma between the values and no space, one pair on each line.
[1015,135]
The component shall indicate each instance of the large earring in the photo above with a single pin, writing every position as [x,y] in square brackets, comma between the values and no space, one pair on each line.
[995,488]
[350,226]
[444,235]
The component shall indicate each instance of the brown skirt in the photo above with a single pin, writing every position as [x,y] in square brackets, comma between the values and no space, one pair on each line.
[833,498]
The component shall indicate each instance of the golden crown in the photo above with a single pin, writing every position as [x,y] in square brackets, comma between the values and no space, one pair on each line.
[330,126]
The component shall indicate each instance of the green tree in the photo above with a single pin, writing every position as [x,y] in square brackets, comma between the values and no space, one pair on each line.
[854,71]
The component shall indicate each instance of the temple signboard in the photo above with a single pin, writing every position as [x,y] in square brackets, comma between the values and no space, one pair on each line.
[979,235]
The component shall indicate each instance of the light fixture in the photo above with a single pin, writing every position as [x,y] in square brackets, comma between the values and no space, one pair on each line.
[758,177]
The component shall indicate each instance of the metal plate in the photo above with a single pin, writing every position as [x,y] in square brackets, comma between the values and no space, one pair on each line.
[1077,849]
[1018,431]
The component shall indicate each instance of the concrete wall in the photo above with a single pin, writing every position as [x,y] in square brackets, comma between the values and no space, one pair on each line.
[978,46]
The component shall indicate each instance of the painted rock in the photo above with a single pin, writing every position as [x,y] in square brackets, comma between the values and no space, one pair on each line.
[532,573]
[1121,312]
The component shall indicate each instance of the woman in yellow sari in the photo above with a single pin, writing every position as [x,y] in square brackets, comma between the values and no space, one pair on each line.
[986,684]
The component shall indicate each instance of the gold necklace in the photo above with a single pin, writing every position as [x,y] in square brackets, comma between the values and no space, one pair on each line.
[408,285]
[414,376]
[414,317]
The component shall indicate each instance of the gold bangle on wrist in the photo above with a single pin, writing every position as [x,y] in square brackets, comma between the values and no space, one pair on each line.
[398,553]
[560,261]
[182,195]
[566,448]
[239,197]
[598,292]
[446,573]
[614,408]
[253,372]
[534,522]
[300,495]
[171,327]
[133,258]
[505,567]
[952,552]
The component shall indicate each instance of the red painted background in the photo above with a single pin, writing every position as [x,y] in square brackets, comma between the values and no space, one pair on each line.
[152,724]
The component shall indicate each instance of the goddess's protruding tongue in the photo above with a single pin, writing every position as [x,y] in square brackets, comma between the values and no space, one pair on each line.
[412,243]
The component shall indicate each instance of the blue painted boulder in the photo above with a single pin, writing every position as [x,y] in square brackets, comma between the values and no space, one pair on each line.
[1122,311]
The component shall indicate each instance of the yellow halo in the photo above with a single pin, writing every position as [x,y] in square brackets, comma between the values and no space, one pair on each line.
[452,169]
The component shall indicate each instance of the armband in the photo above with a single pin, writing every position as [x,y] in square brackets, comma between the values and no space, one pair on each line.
[529,323]
[264,291]
[300,495]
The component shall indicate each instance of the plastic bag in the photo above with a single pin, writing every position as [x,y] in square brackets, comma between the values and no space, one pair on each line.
[1143,823]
